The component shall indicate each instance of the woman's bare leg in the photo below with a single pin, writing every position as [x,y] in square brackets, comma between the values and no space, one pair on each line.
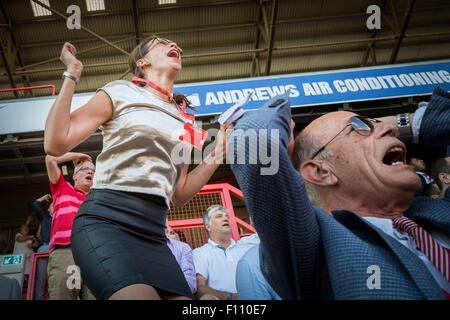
[136,292]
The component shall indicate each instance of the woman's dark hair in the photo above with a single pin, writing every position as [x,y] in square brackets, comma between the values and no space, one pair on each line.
[139,52]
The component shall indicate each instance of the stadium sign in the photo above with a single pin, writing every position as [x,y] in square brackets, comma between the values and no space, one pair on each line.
[306,89]
[326,87]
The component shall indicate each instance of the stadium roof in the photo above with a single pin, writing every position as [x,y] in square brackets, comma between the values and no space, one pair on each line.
[221,39]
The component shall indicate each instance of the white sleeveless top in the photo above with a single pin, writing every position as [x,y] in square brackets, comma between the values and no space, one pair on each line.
[141,150]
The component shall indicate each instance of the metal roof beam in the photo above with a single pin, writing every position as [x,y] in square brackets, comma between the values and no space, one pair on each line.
[252,51]
[370,49]
[407,15]
[94,65]
[63,16]
[255,70]
[395,15]
[32,143]
[221,27]
[136,21]
[10,61]
[127,12]
[385,18]
[78,53]
[7,63]
[273,19]
[39,159]
[186,5]
[144,34]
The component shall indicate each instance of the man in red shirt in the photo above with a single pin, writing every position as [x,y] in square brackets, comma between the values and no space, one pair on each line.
[64,281]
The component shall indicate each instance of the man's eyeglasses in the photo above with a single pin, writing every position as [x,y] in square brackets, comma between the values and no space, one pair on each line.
[362,125]
[166,42]
[84,168]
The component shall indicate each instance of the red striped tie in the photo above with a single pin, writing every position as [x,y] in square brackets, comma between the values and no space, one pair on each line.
[437,254]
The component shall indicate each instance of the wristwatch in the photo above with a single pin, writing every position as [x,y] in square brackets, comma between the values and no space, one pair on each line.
[70,76]
[404,127]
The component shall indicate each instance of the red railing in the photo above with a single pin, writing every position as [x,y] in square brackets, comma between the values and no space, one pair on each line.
[225,190]
[31,88]
[32,278]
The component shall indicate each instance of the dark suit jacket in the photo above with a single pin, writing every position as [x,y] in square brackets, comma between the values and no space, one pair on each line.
[9,289]
[307,254]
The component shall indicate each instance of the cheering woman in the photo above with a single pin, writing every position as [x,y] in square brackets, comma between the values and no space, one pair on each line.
[118,236]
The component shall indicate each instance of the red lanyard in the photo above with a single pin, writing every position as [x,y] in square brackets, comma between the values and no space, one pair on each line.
[192,134]
[188,116]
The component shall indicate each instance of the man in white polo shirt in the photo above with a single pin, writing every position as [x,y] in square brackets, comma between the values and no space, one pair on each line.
[216,261]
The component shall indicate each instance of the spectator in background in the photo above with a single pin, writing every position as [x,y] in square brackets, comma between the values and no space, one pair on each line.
[24,245]
[66,201]
[9,289]
[420,168]
[418,164]
[181,235]
[183,254]
[250,282]
[43,209]
[440,172]
[170,233]
[432,191]
[4,243]
[216,261]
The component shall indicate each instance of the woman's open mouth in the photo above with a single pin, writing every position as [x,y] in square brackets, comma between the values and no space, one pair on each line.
[173,54]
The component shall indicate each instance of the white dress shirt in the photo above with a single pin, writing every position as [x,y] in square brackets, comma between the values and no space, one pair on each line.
[218,265]
[405,239]
[251,240]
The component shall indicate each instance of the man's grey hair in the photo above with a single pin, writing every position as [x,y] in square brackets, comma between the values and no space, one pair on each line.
[304,149]
[209,212]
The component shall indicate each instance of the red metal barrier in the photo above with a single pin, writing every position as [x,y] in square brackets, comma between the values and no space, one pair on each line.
[32,277]
[31,88]
[196,208]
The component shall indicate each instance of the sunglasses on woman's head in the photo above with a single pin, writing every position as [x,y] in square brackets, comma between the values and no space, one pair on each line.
[362,125]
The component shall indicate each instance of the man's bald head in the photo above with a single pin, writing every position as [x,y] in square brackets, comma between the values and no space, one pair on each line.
[317,134]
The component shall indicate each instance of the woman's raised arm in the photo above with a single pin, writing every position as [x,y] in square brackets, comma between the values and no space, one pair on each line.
[63,130]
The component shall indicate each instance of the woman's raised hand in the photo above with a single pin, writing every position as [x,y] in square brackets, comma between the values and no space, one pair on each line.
[222,140]
[74,66]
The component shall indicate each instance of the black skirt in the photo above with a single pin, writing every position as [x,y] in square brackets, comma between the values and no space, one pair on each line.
[118,239]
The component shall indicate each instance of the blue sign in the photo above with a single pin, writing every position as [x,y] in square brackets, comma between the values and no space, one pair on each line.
[326,87]
[306,89]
